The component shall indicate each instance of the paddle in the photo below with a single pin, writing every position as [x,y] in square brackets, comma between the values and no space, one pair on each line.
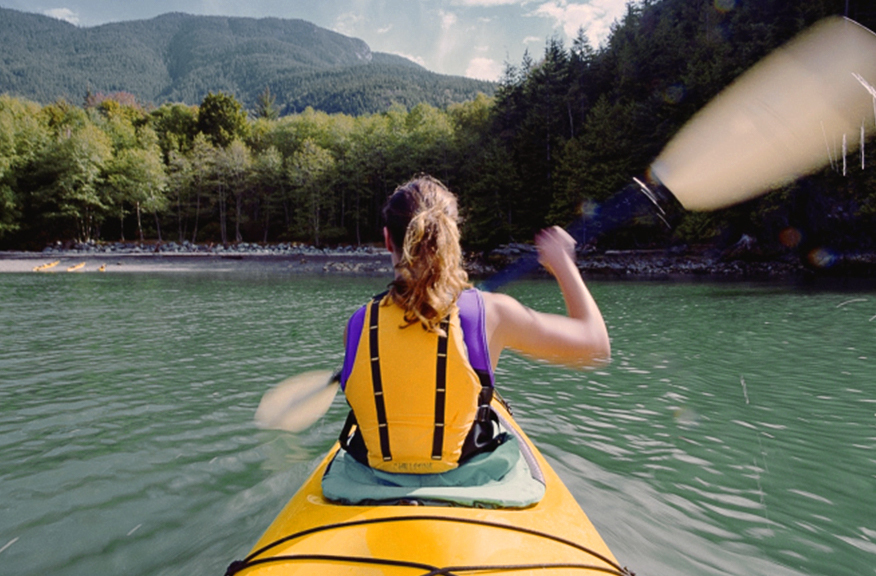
[779,121]
[789,115]
[297,402]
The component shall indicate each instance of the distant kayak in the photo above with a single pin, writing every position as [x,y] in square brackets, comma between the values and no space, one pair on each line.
[46,266]
[411,536]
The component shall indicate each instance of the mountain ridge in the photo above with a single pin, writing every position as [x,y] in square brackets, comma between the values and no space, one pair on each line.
[178,57]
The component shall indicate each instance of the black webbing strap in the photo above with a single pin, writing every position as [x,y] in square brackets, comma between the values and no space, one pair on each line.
[485,398]
[440,392]
[376,380]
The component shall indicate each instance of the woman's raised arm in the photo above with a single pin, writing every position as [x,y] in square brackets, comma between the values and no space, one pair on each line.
[579,339]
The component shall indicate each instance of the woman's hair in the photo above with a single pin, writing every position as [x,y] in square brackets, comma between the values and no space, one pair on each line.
[421,216]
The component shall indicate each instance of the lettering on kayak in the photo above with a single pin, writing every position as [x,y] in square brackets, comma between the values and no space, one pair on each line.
[414,467]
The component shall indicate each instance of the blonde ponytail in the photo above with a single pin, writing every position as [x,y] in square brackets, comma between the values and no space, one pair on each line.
[421,217]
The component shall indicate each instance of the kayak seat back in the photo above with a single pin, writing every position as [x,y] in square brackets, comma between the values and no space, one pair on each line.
[506,477]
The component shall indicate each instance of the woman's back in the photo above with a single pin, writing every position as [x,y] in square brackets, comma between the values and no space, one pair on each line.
[408,376]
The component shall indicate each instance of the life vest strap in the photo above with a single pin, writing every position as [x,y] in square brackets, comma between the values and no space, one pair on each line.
[440,391]
[376,381]
[485,398]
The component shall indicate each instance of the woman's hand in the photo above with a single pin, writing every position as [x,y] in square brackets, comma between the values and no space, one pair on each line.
[556,249]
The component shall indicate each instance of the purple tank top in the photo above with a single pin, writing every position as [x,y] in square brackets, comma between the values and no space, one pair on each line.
[474,334]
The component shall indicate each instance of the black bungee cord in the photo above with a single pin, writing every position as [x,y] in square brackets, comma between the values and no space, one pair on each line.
[253,560]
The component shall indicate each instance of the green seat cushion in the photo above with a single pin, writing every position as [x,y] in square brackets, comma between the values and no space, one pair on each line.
[502,478]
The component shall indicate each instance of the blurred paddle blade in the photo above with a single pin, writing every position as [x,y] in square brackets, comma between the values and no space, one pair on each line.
[784,118]
[297,402]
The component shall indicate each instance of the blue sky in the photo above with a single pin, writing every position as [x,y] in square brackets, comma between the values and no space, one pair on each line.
[472,38]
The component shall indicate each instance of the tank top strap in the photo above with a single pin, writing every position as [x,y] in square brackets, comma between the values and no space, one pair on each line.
[472,319]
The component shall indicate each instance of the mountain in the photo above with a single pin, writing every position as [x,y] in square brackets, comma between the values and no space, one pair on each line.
[180,58]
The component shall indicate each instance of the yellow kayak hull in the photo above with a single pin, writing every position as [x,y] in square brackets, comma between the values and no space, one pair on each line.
[314,536]
[46,266]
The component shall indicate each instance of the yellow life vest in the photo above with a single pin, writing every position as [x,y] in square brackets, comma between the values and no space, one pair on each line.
[414,394]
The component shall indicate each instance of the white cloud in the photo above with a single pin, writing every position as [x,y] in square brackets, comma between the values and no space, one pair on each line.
[385,29]
[595,17]
[346,23]
[448,19]
[418,59]
[447,38]
[532,39]
[63,14]
[484,69]
[488,2]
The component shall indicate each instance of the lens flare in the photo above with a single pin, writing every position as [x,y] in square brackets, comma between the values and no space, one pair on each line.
[674,94]
[790,237]
[725,5]
[822,258]
[588,209]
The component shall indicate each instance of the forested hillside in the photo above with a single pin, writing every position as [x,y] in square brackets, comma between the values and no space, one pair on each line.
[181,58]
[567,127]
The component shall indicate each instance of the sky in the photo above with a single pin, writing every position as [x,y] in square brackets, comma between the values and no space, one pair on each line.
[473,38]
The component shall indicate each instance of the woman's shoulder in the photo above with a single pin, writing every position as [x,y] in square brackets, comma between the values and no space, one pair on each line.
[499,303]
[470,297]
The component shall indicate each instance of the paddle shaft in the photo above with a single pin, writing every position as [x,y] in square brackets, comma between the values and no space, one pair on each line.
[636,199]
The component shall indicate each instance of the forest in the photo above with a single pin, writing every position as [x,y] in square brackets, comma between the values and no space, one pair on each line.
[569,126]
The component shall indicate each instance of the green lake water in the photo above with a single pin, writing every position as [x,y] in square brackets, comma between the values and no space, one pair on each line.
[733,434]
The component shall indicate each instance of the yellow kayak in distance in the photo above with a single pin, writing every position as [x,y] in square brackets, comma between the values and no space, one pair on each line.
[76,267]
[46,266]
[313,535]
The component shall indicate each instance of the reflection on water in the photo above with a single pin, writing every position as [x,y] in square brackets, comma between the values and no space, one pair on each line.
[732,434]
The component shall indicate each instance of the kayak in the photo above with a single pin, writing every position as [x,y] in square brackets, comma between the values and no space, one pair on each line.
[313,535]
[46,266]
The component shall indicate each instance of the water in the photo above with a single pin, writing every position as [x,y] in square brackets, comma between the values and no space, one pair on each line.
[734,433]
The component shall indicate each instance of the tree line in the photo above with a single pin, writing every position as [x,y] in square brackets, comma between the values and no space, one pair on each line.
[566,129]
[111,170]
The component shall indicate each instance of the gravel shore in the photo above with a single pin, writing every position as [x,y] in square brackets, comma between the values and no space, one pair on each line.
[69,261]
[372,261]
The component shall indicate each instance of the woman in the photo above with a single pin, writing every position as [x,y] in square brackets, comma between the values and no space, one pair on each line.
[418,372]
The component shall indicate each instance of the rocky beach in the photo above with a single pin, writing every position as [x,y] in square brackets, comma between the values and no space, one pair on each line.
[172,257]
[370,260]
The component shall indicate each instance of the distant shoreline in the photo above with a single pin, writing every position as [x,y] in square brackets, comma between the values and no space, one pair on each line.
[371,261]
[362,264]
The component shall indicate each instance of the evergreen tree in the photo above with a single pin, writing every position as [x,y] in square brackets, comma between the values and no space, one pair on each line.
[266,105]
[222,119]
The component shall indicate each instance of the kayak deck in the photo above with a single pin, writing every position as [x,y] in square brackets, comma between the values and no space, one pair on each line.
[315,536]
